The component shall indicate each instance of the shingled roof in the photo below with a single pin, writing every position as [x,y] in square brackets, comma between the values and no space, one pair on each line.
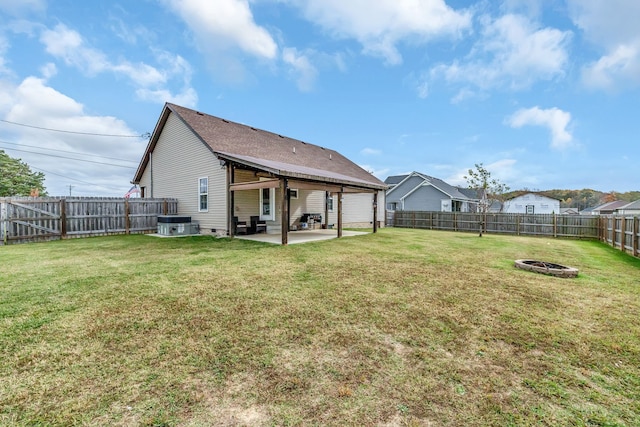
[455,193]
[263,150]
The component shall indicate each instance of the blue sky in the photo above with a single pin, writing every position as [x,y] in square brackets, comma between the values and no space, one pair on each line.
[544,93]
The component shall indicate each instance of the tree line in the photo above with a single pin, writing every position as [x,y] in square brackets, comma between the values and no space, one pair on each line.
[17,178]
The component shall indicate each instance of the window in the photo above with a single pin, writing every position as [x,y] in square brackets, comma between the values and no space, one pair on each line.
[293,193]
[203,194]
[330,203]
[530,209]
[267,203]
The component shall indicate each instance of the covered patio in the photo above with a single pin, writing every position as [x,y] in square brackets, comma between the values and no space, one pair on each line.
[281,177]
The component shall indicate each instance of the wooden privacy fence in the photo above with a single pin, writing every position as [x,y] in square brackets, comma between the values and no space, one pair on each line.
[621,232]
[30,219]
[517,224]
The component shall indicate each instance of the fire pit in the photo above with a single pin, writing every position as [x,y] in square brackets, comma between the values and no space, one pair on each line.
[549,268]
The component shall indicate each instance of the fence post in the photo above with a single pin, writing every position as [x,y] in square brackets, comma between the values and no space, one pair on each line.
[555,225]
[165,207]
[634,244]
[4,223]
[127,220]
[63,218]
[623,233]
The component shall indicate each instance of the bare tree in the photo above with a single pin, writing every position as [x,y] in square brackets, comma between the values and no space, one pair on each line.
[490,191]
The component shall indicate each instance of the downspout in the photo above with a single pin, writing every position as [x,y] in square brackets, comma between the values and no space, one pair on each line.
[151,173]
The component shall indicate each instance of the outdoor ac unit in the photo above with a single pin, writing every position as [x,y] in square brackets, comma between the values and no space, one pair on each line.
[173,225]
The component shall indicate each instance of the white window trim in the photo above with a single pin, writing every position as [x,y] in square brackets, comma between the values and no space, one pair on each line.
[272,205]
[200,194]
[333,203]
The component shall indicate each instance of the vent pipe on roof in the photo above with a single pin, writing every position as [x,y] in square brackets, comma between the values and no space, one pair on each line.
[294,150]
[329,156]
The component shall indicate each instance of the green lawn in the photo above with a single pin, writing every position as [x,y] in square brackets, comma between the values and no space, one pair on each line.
[405,327]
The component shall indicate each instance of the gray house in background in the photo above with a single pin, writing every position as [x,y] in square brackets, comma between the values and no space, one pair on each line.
[421,192]
[632,208]
[608,208]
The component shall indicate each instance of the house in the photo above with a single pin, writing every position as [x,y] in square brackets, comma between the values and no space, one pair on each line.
[532,203]
[225,173]
[608,208]
[420,192]
[632,208]
[569,211]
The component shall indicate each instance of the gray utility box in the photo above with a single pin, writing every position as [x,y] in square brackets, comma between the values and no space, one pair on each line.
[173,225]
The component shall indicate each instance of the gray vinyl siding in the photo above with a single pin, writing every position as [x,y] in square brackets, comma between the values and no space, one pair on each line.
[178,161]
[246,203]
[308,201]
[357,209]
[401,189]
[425,198]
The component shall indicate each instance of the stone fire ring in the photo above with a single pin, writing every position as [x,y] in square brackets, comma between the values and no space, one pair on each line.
[546,268]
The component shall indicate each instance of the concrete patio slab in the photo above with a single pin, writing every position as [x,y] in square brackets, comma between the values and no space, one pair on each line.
[296,237]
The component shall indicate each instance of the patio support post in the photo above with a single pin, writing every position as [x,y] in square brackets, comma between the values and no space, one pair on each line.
[284,193]
[375,211]
[340,214]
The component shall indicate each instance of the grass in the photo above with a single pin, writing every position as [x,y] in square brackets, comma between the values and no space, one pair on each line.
[405,327]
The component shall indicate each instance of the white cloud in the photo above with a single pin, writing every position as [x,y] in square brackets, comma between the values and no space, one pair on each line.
[611,70]
[68,45]
[611,25]
[4,47]
[302,68]
[187,98]
[35,103]
[370,152]
[503,170]
[512,52]
[553,119]
[14,7]
[379,26]
[226,24]
[49,70]
[380,173]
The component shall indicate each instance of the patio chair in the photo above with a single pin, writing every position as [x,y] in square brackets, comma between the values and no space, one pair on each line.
[241,226]
[258,225]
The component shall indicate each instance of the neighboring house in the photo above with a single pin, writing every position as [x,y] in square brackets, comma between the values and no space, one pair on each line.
[531,203]
[420,192]
[632,208]
[569,211]
[587,211]
[223,172]
[392,181]
[608,208]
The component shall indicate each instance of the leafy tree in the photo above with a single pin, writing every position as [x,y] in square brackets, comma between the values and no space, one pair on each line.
[489,190]
[17,179]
